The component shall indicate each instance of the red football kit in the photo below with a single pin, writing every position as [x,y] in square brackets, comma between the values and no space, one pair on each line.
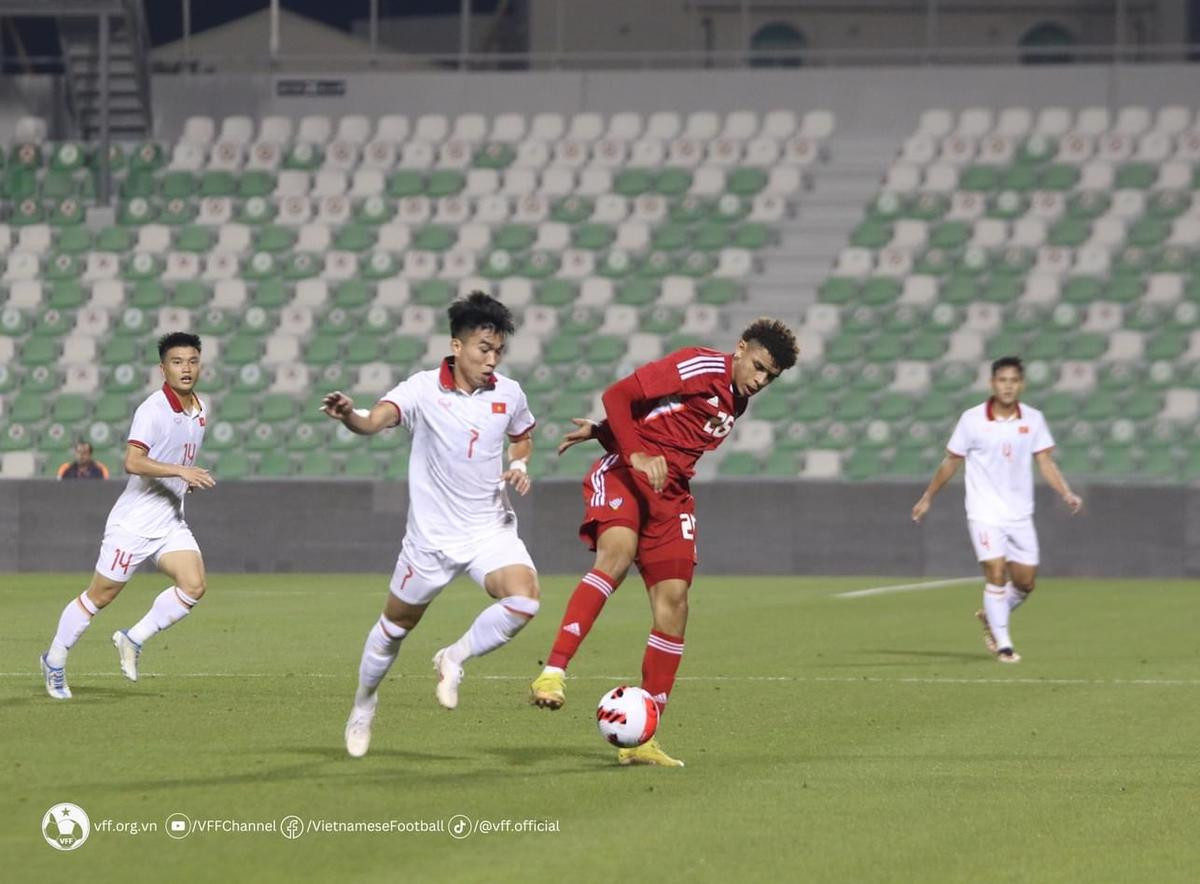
[679,407]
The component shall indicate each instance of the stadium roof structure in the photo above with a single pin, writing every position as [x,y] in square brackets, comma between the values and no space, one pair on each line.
[243,43]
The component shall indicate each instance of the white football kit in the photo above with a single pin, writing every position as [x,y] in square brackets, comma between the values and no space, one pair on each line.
[147,519]
[999,479]
[459,516]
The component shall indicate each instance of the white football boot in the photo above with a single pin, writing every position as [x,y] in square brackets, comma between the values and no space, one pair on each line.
[127,651]
[449,676]
[56,680]
[358,727]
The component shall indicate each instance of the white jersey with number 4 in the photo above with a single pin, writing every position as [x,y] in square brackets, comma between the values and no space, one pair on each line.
[455,495]
[152,507]
[999,454]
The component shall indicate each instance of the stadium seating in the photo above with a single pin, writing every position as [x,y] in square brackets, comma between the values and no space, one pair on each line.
[321,253]
[1067,238]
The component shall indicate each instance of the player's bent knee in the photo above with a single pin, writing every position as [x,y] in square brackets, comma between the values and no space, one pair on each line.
[193,589]
[102,591]
[523,606]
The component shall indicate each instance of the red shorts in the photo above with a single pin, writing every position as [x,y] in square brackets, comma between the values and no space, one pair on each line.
[614,494]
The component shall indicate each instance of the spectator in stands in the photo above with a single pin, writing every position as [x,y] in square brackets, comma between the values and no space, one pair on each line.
[83,467]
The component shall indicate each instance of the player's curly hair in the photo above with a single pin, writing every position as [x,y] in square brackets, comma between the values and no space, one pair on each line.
[176,339]
[1008,362]
[479,310]
[777,338]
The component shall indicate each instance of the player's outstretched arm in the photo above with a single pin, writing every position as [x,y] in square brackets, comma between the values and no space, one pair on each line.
[517,473]
[139,463]
[944,473]
[340,407]
[1055,479]
[585,429]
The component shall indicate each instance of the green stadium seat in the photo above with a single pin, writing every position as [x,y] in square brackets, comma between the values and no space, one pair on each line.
[444,182]
[362,465]
[308,435]
[671,236]
[781,463]
[404,183]
[303,156]
[17,437]
[1140,176]
[263,437]
[688,210]
[404,350]
[37,351]
[927,207]
[26,408]
[839,290]
[812,406]
[274,465]
[739,463]
[556,293]
[1058,176]
[323,350]
[746,181]
[637,292]
[862,464]
[232,466]
[632,182]
[604,349]
[571,210]
[274,238]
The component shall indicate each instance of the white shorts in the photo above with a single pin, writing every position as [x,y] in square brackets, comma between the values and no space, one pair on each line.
[122,551]
[1016,542]
[422,573]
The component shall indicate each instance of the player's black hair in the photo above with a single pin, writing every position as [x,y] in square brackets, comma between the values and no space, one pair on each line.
[479,310]
[176,339]
[1008,362]
[79,442]
[777,338]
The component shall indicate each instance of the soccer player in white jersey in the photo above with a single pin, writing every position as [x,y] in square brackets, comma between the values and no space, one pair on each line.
[462,417]
[1000,440]
[147,519]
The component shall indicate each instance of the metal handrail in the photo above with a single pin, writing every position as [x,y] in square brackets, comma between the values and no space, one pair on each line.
[139,38]
[808,57]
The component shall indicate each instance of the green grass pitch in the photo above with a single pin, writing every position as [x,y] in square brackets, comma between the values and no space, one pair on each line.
[826,738]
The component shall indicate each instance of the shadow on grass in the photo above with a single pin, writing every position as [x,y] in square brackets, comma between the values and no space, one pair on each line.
[909,654]
[331,764]
[80,696]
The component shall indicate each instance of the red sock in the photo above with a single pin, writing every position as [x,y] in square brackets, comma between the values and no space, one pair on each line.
[582,610]
[663,654]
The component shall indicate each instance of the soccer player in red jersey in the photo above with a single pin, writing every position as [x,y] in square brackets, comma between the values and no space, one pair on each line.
[638,506]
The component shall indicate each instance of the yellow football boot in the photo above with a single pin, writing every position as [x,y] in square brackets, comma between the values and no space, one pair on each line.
[647,753]
[547,690]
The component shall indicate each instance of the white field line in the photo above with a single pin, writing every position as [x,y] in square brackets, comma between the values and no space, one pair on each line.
[814,679]
[905,587]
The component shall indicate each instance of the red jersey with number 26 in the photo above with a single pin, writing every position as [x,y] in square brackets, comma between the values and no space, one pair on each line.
[689,406]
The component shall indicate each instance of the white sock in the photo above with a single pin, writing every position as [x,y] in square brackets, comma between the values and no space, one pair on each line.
[379,653]
[494,627]
[1014,596]
[75,618]
[995,605]
[170,606]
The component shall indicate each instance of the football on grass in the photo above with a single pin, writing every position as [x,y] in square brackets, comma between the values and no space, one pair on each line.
[627,717]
